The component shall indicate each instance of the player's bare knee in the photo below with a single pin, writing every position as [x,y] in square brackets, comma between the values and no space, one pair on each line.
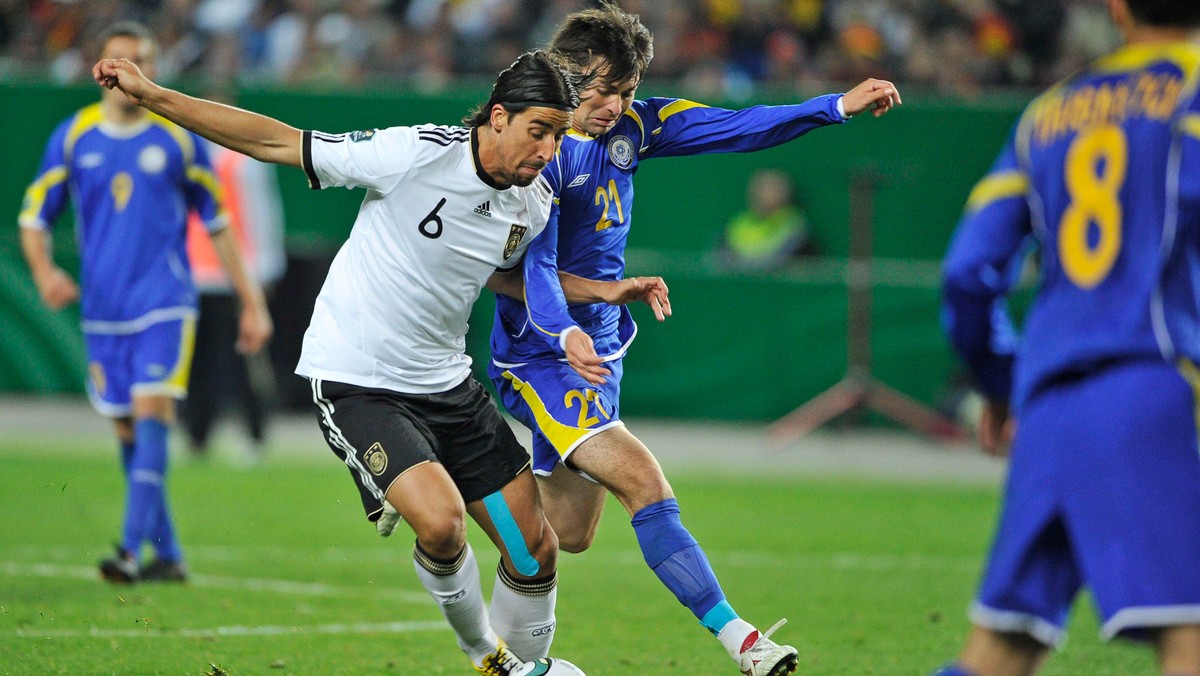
[545,550]
[442,536]
[645,491]
[577,540]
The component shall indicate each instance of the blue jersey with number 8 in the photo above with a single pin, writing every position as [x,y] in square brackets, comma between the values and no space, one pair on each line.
[1103,172]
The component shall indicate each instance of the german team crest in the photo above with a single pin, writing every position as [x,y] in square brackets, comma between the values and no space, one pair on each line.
[375,459]
[515,235]
[620,151]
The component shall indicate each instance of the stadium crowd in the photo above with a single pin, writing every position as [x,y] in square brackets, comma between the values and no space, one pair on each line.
[718,48]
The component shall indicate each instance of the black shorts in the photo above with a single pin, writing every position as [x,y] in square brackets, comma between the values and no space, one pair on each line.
[380,434]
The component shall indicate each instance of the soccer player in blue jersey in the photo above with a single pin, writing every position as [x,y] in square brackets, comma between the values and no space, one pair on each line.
[581,447]
[1103,172]
[133,177]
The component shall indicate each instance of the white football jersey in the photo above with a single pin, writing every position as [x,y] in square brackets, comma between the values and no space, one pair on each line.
[432,228]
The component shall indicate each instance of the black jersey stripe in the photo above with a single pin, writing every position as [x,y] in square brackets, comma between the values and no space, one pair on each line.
[435,136]
[442,141]
[306,161]
[441,134]
[442,129]
[328,138]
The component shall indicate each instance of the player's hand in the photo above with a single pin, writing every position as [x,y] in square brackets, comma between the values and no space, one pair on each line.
[650,290]
[56,288]
[996,428]
[878,96]
[254,329]
[123,74]
[581,355]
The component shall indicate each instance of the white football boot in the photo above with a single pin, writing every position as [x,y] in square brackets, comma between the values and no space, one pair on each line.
[501,662]
[765,657]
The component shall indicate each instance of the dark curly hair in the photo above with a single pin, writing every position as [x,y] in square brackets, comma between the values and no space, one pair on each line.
[606,32]
[535,79]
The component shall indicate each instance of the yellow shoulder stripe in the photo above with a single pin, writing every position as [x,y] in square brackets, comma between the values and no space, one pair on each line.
[677,107]
[181,136]
[209,182]
[35,194]
[997,186]
[636,118]
[86,119]
[1135,57]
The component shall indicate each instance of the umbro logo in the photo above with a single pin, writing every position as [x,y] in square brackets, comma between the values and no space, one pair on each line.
[579,180]
[484,209]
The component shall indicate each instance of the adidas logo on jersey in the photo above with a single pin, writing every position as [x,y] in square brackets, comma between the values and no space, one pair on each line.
[484,209]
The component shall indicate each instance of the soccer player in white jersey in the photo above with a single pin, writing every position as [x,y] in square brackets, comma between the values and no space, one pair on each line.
[446,208]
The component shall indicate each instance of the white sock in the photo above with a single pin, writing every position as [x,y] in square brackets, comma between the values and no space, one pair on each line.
[455,586]
[734,634]
[523,613]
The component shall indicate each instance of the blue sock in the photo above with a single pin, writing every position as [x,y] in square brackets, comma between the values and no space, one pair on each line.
[954,669]
[144,508]
[162,534]
[126,456]
[676,558]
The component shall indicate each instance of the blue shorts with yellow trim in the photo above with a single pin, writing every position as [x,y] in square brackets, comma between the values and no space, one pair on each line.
[561,408]
[155,360]
[1103,492]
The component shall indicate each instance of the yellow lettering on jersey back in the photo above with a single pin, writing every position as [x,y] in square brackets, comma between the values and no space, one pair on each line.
[1095,170]
[121,189]
[1145,95]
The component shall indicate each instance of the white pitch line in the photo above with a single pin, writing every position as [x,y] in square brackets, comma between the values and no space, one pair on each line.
[238,631]
[837,561]
[17,569]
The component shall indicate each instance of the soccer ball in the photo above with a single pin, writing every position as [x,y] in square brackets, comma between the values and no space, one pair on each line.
[548,666]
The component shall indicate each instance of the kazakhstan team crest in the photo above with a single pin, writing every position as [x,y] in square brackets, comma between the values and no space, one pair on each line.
[620,151]
[515,234]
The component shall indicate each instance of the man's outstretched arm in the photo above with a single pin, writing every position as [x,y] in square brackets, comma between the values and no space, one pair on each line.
[261,137]
[652,291]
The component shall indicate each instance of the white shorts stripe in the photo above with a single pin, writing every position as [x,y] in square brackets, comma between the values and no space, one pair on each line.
[337,438]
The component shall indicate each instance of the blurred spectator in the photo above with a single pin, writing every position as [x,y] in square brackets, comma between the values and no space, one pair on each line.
[771,231]
[222,379]
[725,48]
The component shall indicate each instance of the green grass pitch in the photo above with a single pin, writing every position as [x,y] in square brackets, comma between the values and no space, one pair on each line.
[290,579]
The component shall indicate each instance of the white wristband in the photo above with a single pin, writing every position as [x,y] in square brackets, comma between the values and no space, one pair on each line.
[562,337]
[841,108]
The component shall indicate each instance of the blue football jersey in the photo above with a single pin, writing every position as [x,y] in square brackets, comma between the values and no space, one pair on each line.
[1103,172]
[132,188]
[592,178]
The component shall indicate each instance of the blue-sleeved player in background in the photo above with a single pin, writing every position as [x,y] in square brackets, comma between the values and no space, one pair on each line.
[133,177]
[581,447]
[1103,171]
